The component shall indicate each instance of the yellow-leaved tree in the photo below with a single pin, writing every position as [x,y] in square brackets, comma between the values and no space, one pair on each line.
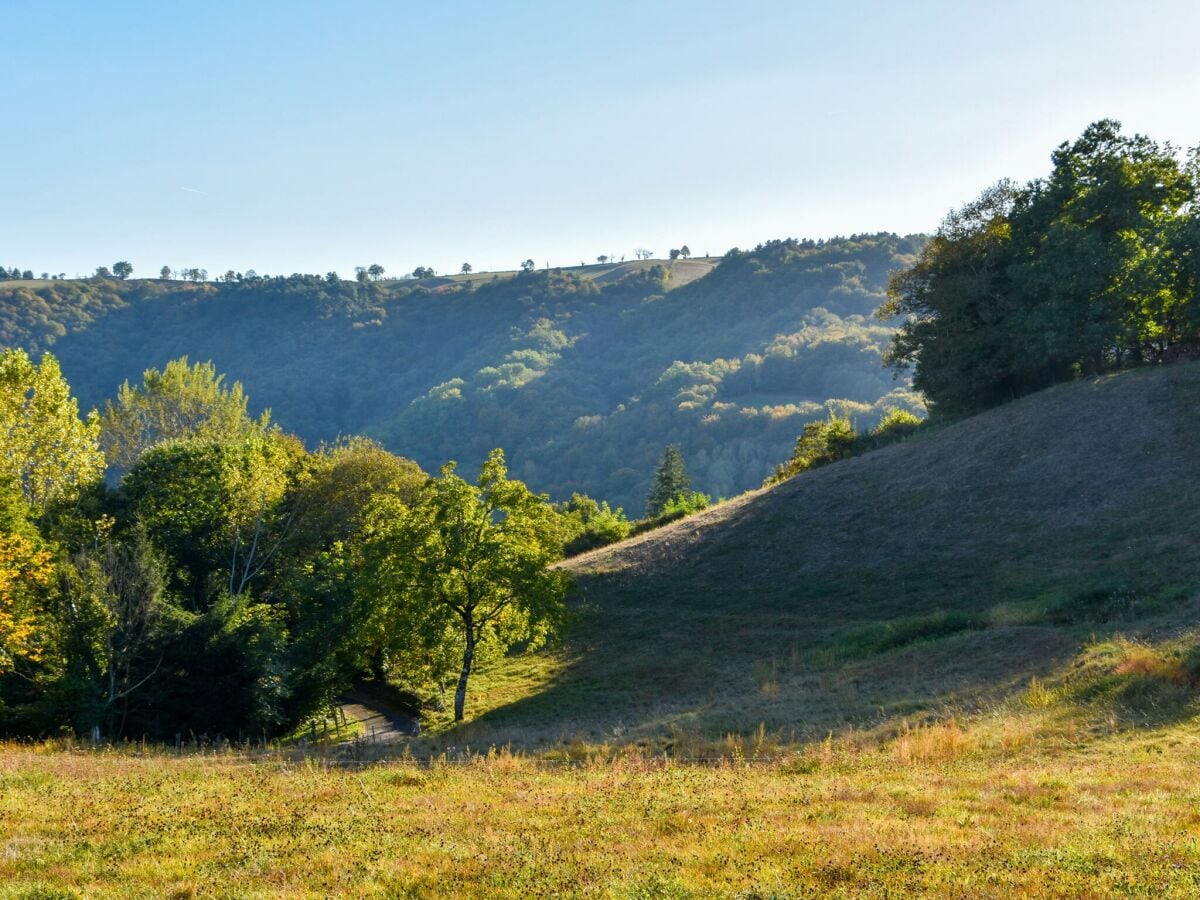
[25,570]
[46,450]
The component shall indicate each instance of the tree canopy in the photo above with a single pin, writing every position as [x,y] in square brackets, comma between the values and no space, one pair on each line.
[46,450]
[1087,270]
[181,401]
[671,481]
[468,566]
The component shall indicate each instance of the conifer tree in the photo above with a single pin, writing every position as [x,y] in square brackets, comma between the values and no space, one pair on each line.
[670,481]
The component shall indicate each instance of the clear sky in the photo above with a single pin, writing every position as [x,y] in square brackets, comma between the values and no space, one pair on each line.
[309,136]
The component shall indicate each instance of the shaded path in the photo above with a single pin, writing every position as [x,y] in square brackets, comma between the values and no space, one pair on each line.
[382,722]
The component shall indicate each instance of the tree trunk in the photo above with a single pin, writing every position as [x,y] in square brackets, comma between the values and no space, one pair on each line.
[460,695]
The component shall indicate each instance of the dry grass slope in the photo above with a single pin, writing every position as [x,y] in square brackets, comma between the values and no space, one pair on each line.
[930,578]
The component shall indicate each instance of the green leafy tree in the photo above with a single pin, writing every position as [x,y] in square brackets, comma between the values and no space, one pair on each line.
[46,450]
[465,269]
[332,637]
[670,481]
[338,483]
[165,273]
[1080,272]
[26,573]
[1186,252]
[375,270]
[116,622]
[122,269]
[466,567]
[181,401]
[957,307]
[215,510]
[1092,268]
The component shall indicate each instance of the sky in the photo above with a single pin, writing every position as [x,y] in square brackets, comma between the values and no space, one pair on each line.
[308,137]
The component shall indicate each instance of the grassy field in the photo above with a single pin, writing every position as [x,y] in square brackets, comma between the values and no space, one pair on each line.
[683,271]
[1021,805]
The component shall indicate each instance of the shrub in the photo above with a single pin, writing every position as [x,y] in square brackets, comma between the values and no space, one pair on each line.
[676,508]
[896,424]
[590,524]
[821,442]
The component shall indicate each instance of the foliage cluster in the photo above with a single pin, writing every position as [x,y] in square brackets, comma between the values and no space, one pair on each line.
[590,524]
[1091,269]
[231,583]
[824,441]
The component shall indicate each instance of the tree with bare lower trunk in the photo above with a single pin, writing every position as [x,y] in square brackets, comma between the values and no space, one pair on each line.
[466,569]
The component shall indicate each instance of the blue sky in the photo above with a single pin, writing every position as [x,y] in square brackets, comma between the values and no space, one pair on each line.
[304,136]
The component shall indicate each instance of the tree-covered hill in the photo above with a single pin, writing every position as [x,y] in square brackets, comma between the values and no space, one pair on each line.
[582,380]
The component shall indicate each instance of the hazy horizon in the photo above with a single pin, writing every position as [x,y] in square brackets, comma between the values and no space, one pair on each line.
[288,138]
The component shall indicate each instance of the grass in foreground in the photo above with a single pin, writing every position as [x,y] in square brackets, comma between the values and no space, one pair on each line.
[1018,804]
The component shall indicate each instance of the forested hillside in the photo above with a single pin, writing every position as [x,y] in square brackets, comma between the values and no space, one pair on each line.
[581,380]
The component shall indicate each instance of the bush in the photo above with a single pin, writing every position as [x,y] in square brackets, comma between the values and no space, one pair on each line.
[676,508]
[896,424]
[827,441]
[590,524]
[821,443]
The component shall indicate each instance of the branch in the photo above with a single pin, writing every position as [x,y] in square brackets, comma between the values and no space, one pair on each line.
[128,691]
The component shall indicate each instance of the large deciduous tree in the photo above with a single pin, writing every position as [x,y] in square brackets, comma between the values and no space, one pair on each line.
[1080,272]
[116,623]
[215,509]
[25,574]
[1092,269]
[332,630]
[959,331]
[466,567]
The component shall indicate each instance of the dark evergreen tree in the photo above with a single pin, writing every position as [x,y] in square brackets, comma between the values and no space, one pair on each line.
[670,481]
